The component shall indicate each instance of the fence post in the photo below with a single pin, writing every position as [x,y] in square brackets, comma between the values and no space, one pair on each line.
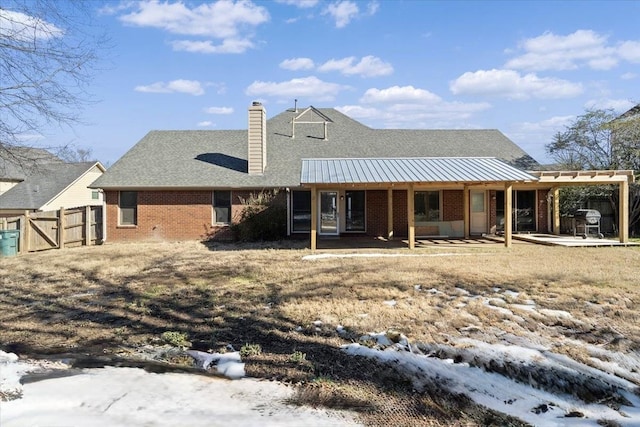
[26,232]
[87,225]
[62,223]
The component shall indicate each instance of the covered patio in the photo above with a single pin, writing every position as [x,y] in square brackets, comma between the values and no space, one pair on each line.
[465,174]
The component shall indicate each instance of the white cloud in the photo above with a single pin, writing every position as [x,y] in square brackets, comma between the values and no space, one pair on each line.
[308,87]
[618,105]
[191,87]
[511,84]
[207,46]
[410,107]
[581,48]
[399,94]
[231,22]
[630,51]
[297,64]
[302,4]
[552,124]
[343,12]
[373,7]
[368,66]
[206,123]
[24,28]
[629,76]
[219,110]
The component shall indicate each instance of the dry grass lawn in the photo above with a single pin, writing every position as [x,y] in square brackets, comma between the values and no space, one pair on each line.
[109,304]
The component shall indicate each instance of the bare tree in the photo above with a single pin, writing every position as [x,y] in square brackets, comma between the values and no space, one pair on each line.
[48,53]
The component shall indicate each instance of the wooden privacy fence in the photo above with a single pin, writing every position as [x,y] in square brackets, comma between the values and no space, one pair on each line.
[41,231]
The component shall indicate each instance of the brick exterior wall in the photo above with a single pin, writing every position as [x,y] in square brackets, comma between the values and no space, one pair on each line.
[162,215]
[400,218]
[452,205]
[543,213]
[377,212]
[174,215]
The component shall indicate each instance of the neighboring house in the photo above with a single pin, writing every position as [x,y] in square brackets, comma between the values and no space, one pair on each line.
[45,183]
[337,176]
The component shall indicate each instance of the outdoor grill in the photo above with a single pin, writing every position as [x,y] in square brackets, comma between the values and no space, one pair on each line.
[585,222]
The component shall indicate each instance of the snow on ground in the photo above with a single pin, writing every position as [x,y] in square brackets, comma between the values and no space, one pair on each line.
[517,374]
[493,390]
[113,397]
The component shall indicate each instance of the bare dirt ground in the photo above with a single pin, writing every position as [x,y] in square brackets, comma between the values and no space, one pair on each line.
[123,304]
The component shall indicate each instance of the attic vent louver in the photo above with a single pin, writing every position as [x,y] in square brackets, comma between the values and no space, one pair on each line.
[310,116]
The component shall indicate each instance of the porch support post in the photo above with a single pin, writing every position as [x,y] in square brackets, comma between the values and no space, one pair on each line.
[508,218]
[556,210]
[623,213]
[465,209]
[411,217]
[314,217]
[390,213]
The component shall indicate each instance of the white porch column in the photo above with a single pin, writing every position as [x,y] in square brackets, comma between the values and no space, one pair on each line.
[508,218]
[314,217]
[411,217]
[623,213]
[390,213]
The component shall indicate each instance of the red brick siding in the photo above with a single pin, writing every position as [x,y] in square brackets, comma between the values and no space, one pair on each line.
[452,205]
[543,214]
[170,215]
[376,212]
[493,219]
[400,218]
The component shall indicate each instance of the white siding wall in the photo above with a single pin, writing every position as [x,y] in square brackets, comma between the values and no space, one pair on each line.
[6,186]
[77,194]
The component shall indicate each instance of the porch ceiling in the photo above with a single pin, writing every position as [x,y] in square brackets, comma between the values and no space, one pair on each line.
[410,170]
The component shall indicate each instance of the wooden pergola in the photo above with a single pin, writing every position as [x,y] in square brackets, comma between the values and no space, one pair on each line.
[557,179]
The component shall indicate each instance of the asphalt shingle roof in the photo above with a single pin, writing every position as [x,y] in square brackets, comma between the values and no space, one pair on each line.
[218,158]
[43,184]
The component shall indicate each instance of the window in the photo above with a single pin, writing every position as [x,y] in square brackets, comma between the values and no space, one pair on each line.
[427,206]
[222,207]
[95,195]
[355,207]
[128,204]
[300,211]
[523,210]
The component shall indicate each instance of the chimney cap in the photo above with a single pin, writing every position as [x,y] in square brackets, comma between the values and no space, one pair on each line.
[256,103]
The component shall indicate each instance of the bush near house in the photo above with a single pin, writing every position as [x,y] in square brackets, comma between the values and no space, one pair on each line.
[264,217]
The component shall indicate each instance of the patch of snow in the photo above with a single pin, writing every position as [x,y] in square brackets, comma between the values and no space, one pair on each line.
[340,330]
[501,310]
[497,392]
[317,323]
[228,364]
[461,291]
[434,291]
[511,294]
[560,314]
[390,303]
[523,307]
[119,397]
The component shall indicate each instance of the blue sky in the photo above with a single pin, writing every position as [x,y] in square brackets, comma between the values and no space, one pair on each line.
[525,68]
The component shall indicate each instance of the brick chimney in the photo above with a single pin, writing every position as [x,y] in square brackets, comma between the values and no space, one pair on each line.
[257,156]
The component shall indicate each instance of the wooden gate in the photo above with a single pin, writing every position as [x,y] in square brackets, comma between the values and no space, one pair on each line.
[41,231]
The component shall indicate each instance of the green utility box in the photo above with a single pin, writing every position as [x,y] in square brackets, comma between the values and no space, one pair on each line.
[9,242]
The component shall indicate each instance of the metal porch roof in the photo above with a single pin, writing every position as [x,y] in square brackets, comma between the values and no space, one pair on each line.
[409,170]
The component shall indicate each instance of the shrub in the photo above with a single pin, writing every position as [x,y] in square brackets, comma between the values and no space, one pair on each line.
[264,217]
[248,350]
[176,339]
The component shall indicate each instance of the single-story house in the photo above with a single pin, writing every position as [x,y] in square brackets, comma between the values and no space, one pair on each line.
[41,182]
[337,177]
